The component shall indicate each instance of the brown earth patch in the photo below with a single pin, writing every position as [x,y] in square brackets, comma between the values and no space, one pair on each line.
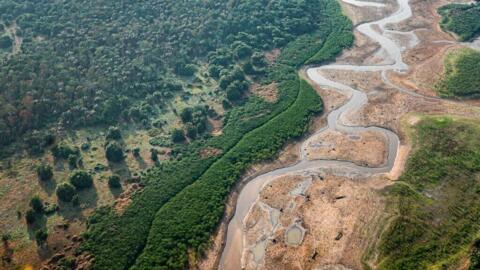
[365,149]
[272,55]
[267,92]
[210,152]
[334,212]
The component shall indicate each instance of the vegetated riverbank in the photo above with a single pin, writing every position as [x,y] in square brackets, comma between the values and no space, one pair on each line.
[461,78]
[390,104]
[110,237]
[435,203]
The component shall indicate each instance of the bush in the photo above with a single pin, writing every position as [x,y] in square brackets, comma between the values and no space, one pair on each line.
[36,204]
[45,172]
[63,150]
[154,154]
[114,181]
[72,161]
[81,179]
[30,216]
[186,115]
[136,152]
[178,136]
[114,152]
[113,133]
[6,42]
[41,236]
[65,192]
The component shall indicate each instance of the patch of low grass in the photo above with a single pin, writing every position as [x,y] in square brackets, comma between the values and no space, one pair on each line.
[437,199]
[462,74]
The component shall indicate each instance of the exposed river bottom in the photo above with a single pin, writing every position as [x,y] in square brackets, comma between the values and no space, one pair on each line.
[268,212]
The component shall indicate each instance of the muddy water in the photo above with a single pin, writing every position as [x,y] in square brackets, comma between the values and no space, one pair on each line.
[232,253]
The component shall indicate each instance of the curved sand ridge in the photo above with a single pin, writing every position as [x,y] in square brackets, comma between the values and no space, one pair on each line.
[232,253]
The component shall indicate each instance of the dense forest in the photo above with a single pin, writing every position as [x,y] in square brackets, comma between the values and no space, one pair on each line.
[84,63]
[461,19]
[436,201]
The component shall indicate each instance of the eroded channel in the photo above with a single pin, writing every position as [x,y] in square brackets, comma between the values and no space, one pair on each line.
[378,32]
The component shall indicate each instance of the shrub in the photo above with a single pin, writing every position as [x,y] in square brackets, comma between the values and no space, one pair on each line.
[81,179]
[136,152]
[65,192]
[6,42]
[45,172]
[30,216]
[114,181]
[114,152]
[63,150]
[113,133]
[36,204]
[186,115]
[72,161]
[178,136]
[154,154]
[75,200]
[41,236]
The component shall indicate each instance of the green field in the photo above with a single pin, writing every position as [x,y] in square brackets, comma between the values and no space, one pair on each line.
[461,77]
[463,20]
[436,202]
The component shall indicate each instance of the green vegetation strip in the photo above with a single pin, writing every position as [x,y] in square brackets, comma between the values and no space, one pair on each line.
[117,240]
[437,199]
[461,19]
[186,222]
[462,74]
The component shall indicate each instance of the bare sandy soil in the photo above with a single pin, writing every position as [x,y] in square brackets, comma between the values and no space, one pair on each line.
[365,149]
[339,218]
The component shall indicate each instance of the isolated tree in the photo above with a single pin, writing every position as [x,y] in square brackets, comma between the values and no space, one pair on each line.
[65,192]
[36,204]
[30,216]
[136,152]
[45,172]
[186,115]
[114,152]
[154,154]
[81,179]
[178,136]
[113,133]
[114,181]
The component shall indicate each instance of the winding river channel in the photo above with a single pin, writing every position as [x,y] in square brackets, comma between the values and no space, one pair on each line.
[378,32]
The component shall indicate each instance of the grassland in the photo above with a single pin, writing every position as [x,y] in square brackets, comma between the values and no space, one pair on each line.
[461,19]
[461,76]
[436,202]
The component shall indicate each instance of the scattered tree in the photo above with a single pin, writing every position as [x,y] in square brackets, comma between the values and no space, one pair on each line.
[136,152]
[114,181]
[65,192]
[36,204]
[178,136]
[113,133]
[81,179]
[114,152]
[154,154]
[30,216]
[45,172]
